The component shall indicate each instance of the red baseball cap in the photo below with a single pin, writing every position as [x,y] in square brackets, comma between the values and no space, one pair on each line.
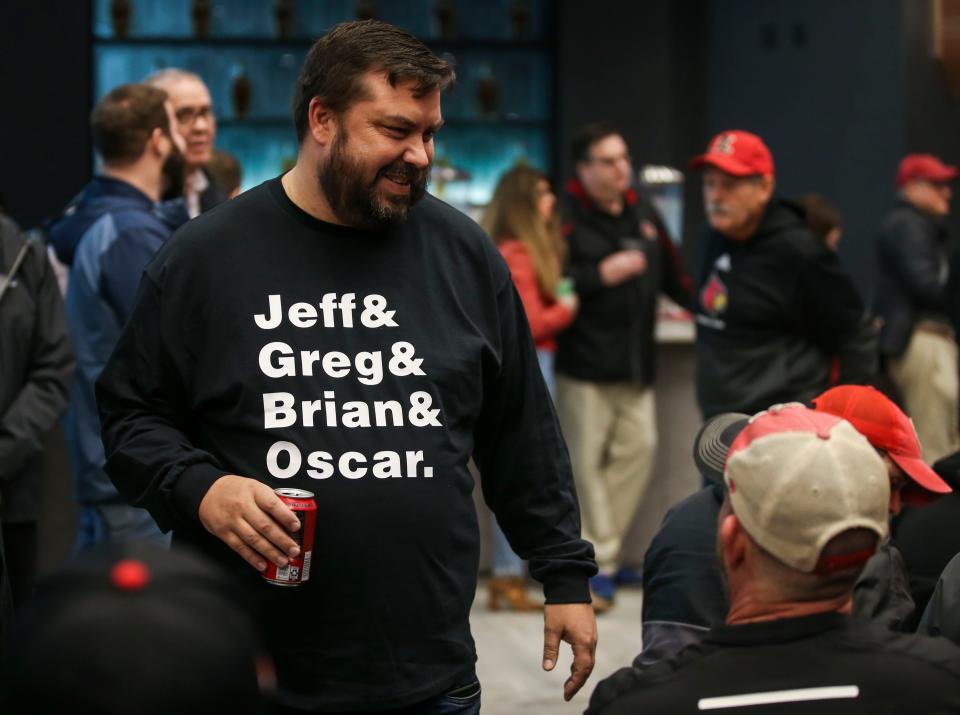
[926,167]
[887,428]
[737,153]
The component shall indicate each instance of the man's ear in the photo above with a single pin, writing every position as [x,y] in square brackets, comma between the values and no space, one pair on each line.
[769,184]
[156,140]
[323,122]
[733,541]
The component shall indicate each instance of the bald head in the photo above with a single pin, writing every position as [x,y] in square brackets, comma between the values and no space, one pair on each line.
[193,110]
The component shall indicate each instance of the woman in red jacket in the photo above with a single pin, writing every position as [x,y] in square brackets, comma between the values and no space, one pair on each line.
[521,219]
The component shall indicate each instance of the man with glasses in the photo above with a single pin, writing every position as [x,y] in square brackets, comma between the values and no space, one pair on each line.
[778,319]
[913,300]
[193,110]
[620,258]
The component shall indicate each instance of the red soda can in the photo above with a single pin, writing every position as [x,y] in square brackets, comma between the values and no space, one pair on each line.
[301,503]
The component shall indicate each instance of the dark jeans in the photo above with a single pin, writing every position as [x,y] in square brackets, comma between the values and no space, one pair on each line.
[459,700]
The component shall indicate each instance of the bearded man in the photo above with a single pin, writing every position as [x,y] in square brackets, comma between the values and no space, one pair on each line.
[339,331]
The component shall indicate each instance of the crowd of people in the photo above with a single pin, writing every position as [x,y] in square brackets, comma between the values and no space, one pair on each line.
[339,330]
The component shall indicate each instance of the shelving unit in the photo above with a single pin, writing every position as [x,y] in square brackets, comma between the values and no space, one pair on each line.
[500,110]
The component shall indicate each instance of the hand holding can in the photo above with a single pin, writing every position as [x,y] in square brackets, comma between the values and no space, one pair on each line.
[251,519]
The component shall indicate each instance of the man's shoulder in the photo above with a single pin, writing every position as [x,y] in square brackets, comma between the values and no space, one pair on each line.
[926,652]
[229,226]
[650,688]
[436,214]
[442,227]
[904,220]
[698,509]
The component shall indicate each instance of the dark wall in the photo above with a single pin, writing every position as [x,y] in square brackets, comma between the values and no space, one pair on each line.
[45,73]
[820,81]
[641,67]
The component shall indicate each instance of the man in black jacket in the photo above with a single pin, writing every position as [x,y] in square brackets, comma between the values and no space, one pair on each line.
[805,507]
[917,338]
[36,363]
[620,259]
[774,309]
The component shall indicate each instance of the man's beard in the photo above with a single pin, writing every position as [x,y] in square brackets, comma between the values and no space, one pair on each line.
[174,173]
[358,203]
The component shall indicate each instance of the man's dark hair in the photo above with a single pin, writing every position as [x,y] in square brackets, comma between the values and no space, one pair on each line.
[586,137]
[225,169]
[822,216]
[335,65]
[125,118]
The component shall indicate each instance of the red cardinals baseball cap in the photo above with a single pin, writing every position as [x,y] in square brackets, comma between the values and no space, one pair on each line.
[926,167]
[737,153]
[887,428]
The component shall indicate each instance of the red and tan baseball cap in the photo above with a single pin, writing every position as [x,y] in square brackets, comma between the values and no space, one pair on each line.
[887,428]
[738,153]
[796,478]
[926,167]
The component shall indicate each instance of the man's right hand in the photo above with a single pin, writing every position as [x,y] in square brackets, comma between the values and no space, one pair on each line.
[251,519]
[622,266]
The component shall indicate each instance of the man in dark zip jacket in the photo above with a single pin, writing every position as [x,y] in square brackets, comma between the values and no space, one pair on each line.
[913,300]
[36,363]
[775,310]
[620,257]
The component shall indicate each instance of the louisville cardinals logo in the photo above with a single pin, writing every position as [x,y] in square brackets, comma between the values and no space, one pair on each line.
[713,296]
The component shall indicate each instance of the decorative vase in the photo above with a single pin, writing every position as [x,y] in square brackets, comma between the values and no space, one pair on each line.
[488,91]
[200,13]
[520,19]
[445,13]
[283,11]
[120,13]
[241,93]
[366,10]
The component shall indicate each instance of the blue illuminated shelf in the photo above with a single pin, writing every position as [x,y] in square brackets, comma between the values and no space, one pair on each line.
[500,110]
[447,123]
[306,42]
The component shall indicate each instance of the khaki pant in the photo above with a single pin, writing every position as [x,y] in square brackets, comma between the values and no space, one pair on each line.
[611,432]
[926,376]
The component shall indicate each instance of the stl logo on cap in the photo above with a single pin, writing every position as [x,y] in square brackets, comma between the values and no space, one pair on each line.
[723,144]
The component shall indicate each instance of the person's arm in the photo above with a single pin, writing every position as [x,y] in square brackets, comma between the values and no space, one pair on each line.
[912,253]
[832,312]
[43,396]
[675,281]
[584,271]
[143,397]
[546,320]
[527,481]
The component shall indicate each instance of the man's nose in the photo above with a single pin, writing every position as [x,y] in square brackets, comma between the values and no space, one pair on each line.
[416,154]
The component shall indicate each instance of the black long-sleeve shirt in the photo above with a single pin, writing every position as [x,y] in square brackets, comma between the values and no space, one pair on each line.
[366,367]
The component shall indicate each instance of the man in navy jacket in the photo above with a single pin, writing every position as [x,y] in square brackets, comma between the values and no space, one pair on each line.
[917,338]
[115,231]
